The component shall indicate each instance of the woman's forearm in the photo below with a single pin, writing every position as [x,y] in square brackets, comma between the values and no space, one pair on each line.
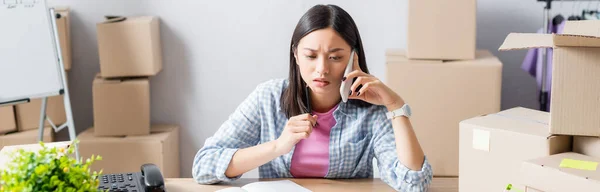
[407,146]
[250,158]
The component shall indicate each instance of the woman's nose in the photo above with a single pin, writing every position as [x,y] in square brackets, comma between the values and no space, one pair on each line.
[322,67]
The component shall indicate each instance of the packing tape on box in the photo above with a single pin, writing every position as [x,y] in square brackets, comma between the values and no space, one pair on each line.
[578,164]
[514,117]
[481,140]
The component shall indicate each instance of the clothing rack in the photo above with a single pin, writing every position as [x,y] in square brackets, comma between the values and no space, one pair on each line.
[543,98]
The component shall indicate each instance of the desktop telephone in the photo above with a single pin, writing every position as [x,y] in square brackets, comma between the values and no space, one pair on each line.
[148,180]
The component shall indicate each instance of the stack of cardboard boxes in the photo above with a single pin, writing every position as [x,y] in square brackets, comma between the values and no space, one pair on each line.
[443,77]
[19,123]
[539,151]
[10,134]
[7,119]
[130,53]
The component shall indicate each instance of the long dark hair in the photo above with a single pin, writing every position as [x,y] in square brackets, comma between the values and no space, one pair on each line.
[293,101]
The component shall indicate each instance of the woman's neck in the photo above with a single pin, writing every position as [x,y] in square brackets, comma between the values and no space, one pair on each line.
[322,104]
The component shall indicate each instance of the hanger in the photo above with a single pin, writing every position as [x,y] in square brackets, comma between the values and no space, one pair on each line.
[573,16]
[594,14]
[589,14]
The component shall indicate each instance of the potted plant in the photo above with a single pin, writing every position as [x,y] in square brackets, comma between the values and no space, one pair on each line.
[49,169]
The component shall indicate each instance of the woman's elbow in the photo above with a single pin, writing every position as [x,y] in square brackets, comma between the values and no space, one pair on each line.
[206,179]
[414,185]
[201,169]
[202,176]
[411,180]
[418,187]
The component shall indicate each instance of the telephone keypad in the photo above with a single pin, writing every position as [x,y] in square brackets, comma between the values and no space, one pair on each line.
[123,182]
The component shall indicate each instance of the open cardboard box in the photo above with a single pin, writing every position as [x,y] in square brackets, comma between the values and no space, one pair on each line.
[575,96]
[550,174]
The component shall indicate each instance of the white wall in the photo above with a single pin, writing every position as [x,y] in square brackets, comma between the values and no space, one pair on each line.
[216,52]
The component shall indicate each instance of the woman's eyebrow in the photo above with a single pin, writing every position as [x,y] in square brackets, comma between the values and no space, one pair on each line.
[330,51]
[335,50]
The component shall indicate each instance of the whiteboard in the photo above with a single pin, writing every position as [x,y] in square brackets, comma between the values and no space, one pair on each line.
[29,59]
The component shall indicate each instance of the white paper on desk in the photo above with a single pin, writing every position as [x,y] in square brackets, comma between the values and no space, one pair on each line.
[7,150]
[268,186]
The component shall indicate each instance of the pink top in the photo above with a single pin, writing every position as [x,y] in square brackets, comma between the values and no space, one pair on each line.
[311,155]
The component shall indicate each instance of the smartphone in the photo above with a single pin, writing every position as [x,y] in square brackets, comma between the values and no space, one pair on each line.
[345,88]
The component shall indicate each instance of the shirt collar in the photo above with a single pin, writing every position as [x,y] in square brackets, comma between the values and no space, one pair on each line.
[346,109]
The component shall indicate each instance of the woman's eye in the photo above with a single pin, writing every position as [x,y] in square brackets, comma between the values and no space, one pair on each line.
[335,58]
[310,56]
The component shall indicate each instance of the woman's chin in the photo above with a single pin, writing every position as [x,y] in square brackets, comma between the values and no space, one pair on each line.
[325,91]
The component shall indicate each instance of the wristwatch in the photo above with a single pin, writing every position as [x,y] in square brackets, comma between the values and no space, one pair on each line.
[402,111]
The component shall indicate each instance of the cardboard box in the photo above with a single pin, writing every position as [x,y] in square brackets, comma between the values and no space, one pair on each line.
[441,94]
[121,106]
[492,147]
[7,119]
[443,30]
[589,146]
[127,154]
[575,81]
[129,48]
[28,114]
[26,137]
[63,25]
[546,174]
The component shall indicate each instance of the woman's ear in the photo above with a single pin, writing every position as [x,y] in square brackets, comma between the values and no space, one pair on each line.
[295,56]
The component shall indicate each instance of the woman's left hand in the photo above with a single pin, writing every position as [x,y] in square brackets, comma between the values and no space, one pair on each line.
[370,89]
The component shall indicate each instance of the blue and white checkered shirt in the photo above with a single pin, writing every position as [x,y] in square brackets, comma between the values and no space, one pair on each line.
[359,135]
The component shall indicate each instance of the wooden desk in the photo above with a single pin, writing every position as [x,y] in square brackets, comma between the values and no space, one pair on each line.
[188,184]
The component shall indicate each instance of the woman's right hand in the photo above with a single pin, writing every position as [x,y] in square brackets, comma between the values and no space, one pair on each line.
[297,128]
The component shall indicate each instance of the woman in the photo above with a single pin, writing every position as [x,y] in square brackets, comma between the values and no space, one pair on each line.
[299,127]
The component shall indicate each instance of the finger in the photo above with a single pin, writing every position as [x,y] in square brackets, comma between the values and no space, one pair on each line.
[358,83]
[302,128]
[302,123]
[360,94]
[302,135]
[313,120]
[295,127]
[304,117]
[301,117]
[353,74]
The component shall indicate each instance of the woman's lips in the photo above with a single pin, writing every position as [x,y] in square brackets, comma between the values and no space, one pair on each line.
[320,82]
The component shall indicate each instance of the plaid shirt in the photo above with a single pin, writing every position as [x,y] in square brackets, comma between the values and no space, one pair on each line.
[360,135]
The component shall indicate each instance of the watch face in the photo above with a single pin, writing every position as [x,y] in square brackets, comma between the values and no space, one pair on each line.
[407,110]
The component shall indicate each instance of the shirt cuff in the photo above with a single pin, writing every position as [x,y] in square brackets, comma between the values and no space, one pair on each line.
[225,159]
[415,177]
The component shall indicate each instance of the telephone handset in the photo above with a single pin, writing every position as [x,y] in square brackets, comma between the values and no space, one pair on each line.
[149,179]
[152,178]
[345,88]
